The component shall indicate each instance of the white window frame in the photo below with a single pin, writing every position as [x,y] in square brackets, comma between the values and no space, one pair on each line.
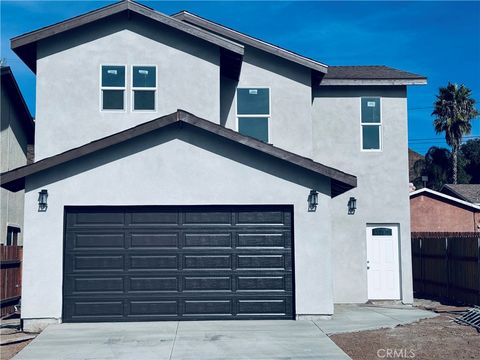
[133,89]
[124,88]
[269,116]
[379,124]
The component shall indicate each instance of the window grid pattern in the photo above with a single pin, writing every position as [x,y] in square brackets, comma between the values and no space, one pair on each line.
[371,124]
[253,112]
[113,87]
[144,87]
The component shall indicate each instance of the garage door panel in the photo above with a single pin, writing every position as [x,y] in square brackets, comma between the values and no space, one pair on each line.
[154,284]
[261,261]
[207,283]
[155,308]
[102,285]
[107,308]
[98,263]
[95,219]
[249,307]
[207,262]
[222,308]
[153,218]
[85,241]
[261,283]
[207,240]
[260,217]
[174,263]
[153,262]
[152,240]
[207,218]
[262,240]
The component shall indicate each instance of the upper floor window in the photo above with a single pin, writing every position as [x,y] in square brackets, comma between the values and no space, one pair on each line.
[144,88]
[113,87]
[371,123]
[253,112]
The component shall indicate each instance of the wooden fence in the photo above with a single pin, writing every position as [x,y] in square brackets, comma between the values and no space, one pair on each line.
[446,267]
[10,278]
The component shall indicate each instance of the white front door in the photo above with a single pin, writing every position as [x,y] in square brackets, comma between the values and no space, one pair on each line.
[383,268]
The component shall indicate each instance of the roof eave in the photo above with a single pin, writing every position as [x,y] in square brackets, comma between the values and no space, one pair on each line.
[14,180]
[28,124]
[373,82]
[193,19]
[25,45]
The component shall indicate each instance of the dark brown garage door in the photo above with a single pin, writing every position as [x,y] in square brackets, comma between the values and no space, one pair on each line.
[178,263]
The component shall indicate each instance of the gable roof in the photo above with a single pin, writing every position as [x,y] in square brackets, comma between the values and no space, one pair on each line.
[230,42]
[14,180]
[25,46]
[440,195]
[203,23]
[370,74]
[467,192]
[8,83]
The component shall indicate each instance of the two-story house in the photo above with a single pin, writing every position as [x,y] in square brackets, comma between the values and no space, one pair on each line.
[279,189]
[16,149]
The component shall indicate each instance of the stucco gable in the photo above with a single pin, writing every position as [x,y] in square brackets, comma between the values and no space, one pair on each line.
[250,147]
[26,45]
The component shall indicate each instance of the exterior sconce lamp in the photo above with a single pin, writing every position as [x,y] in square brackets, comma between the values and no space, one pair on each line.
[352,205]
[312,200]
[42,200]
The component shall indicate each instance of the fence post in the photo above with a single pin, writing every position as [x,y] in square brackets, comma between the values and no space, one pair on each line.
[447,267]
[422,269]
[478,270]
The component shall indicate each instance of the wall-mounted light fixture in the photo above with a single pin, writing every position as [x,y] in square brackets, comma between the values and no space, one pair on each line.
[312,200]
[352,205]
[42,200]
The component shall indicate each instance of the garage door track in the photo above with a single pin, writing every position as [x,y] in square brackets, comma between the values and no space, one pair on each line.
[279,339]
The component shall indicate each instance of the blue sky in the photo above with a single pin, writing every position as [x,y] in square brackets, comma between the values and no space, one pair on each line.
[440,40]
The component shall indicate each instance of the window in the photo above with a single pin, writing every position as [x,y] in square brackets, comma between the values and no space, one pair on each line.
[113,87]
[253,112]
[371,124]
[12,235]
[382,232]
[144,87]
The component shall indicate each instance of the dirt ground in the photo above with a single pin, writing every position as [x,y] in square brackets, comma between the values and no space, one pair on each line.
[9,351]
[435,338]
[12,340]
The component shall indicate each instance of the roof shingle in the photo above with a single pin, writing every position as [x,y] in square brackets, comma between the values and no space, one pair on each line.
[467,192]
[369,72]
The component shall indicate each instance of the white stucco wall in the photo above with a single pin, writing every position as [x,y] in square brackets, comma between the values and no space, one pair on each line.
[290,124]
[68,80]
[382,192]
[175,167]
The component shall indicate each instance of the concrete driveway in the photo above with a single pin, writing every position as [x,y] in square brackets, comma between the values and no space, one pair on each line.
[184,340]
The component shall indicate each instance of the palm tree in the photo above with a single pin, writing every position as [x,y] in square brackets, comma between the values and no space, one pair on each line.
[454,109]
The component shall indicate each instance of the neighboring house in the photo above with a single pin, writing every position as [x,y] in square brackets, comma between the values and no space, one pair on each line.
[433,211]
[235,207]
[466,192]
[16,146]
